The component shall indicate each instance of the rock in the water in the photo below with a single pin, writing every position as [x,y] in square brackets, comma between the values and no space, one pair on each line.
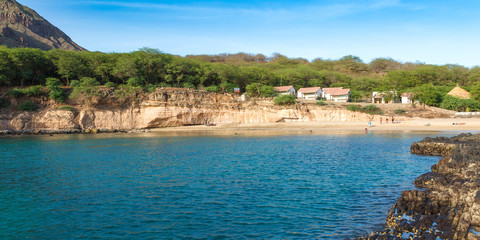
[448,207]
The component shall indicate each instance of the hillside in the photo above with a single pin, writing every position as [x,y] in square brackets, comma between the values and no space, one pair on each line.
[21,26]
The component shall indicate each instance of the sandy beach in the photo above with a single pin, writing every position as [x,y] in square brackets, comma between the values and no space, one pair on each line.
[415,125]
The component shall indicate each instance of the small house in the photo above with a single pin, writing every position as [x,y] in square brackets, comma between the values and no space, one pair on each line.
[378,97]
[311,93]
[408,97]
[285,90]
[384,97]
[338,94]
[459,92]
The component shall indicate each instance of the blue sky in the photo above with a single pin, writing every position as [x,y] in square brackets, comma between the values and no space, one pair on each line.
[434,32]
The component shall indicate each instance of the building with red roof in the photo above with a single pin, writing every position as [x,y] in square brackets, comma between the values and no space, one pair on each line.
[310,93]
[285,90]
[337,94]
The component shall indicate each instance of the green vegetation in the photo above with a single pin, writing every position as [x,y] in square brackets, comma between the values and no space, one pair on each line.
[212,89]
[254,74]
[285,100]
[369,109]
[33,91]
[355,108]
[84,87]
[372,109]
[400,111]
[66,108]
[110,84]
[56,92]
[321,103]
[27,106]
[125,91]
[460,105]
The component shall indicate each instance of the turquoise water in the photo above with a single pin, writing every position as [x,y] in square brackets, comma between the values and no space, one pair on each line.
[202,187]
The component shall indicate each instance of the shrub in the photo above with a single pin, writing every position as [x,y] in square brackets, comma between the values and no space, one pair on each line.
[457,104]
[110,84]
[89,82]
[400,111]
[188,85]
[150,88]
[354,108]
[267,91]
[33,91]
[212,89]
[372,109]
[66,108]
[86,86]
[321,103]
[56,92]
[124,91]
[134,82]
[58,95]
[285,100]
[16,93]
[27,106]
[74,83]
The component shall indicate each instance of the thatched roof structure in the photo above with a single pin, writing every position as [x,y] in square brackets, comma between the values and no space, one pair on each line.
[459,92]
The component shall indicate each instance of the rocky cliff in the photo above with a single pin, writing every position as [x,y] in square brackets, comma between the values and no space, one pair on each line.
[166,107]
[447,206]
[21,26]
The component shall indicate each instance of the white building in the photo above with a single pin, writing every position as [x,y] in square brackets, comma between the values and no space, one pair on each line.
[407,97]
[285,90]
[311,93]
[336,94]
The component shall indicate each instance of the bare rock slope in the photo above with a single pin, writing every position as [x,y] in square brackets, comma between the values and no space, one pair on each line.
[21,26]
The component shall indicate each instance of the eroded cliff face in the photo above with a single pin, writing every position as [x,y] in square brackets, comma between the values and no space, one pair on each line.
[448,206]
[168,107]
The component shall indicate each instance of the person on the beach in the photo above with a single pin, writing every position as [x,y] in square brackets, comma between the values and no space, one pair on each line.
[393,121]
[366,130]
[386,120]
[370,123]
[381,121]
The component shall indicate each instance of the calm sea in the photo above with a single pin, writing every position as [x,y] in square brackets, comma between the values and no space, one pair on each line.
[202,187]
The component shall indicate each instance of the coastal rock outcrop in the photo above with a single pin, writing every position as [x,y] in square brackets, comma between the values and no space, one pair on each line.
[447,206]
[170,107]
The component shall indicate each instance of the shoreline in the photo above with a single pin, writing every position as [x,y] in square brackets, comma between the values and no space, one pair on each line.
[284,128]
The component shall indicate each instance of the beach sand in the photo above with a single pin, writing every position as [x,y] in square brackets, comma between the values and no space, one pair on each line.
[416,125]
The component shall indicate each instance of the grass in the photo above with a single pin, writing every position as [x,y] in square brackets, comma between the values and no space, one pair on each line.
[400,111]
[66,108]
[27,106]
[369,109]
[32,91]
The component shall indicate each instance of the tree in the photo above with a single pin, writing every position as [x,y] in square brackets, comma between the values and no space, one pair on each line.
[56,92]
[384,65]
[475,91]
[428,95]
[71,65]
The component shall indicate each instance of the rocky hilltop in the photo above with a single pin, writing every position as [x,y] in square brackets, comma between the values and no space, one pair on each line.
[21,26]
[165,107]
[447,206]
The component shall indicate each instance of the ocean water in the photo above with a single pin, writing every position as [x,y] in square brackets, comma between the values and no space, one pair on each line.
[202,187]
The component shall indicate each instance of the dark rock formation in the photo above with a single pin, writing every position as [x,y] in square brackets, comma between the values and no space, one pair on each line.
[21,26]
[448,206]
